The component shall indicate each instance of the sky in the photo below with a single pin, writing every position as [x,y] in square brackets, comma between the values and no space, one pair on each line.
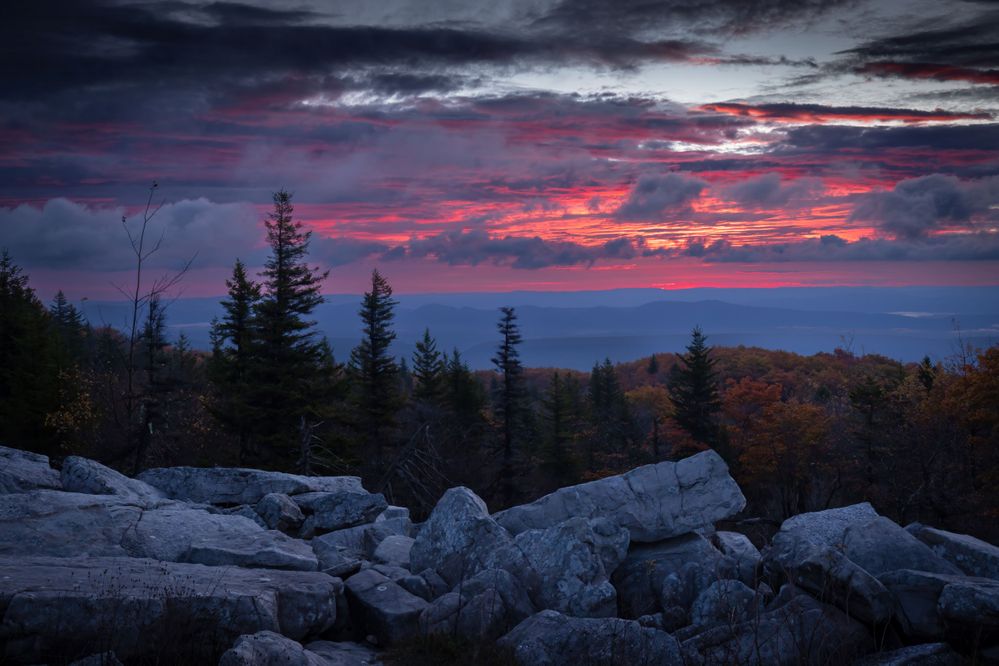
[511,144]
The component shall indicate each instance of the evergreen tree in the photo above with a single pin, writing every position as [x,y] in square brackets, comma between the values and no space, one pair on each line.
[560,424]
[463,394]
[693,389]
[510,394]
[428,370]
[373,368]
[287,359]
[611,422]
[230,368]
[653,367]
[28,368]
[70,328]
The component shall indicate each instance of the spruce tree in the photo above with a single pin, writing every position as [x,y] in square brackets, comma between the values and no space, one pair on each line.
[287,358]
[559,416]
[428,370]
[509,394]
[373,368]
[230,368]
[70,328]
[693,390]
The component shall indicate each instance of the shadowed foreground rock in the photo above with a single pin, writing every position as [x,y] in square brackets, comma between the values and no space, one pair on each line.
[58,607]
[652,502]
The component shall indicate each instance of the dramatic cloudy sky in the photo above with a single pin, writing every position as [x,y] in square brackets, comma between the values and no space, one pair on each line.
[509,144]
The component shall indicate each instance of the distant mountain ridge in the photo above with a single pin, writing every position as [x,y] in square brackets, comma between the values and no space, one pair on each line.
[575,329]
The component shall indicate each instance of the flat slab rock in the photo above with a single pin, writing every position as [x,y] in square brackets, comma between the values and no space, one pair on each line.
[60,606]
[266,648]
[21,471]
[82,475]
[236,485]
[653,502]
[61,524]
[972,556]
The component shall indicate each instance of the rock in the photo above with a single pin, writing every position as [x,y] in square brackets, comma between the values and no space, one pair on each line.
[334,560]
[140,607]
[799,631]
[61,524]
[247,512]
[880,546]
[280,513]
[361,541]
[416,585]
[394,550]
[21,471]
[970,608]
[738,547]
[338,511]
[459,539]
[266,648]
[344,653]
[724,601]
[824,528]
[973,556]
[567,560]
[437,585]
[483,607]
[611,543]
[392,512]
[916,594]
[101,659]
[384,608]
[652,502]
[927,654]
[639,579]
[80,475]
[232,485]
[549,638]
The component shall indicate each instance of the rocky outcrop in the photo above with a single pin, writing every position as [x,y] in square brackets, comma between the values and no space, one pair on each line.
[340,510]
[972,556]
[552,639]
[483,607]
[135,607]
[21,471]
[278,512]
[80,475]
[390,613]
[653,502]
[267,647]
[232,485]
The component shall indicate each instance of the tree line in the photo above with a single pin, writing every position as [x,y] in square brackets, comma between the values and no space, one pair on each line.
[921,441]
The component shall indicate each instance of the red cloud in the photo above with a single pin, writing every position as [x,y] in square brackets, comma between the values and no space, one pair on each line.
[924,70]
[817,113]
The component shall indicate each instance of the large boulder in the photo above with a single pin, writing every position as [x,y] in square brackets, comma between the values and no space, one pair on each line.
[55,607]
[916,595]
[484,607]
[934,606]
[460,539]
[386,610]
[880,546]
[232,485]
[741,550]
[279,512]
[796,629]
[21,471]
[266,648]
[394,550]
[724,602]
[926,654]
[338,511]
[639,579]
[81,475]
[344,653]
[549,638]
[571,574]
[972,556]
[61,524]
[652,502]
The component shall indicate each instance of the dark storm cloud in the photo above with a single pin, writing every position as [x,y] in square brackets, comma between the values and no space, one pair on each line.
[655,197]
[717,17]
[918,207]
[770,190]
[477,246]
[836,138]
[820,113]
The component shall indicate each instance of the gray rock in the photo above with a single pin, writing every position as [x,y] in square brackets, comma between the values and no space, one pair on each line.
[80,475]
[386,610]
[972,556]
[334,560]
[639,579]
[101,659]
[344,653]
[483,607]
[799,631]
[416,585]
[138,607]
[266,648]
[361,541]
[394,549]
[61,524]
[459,539]
[972,606]
[549,638]
[437,585]
[738,547]
[652,502]
[927,654]
[724,602]
[916,594]
[567,560]
[880,546]
[247,512]
[21,471]
[338,511]
[280,513]
[233,485]
[392,512]
[611,543]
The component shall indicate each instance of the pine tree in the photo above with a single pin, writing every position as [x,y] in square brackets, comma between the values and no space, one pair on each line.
[693,389]
[611,422]
[428,370]
[653,367]
[373,368]
[510,394]
[287,358]
[230,371]
[560,428]
[70,328]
